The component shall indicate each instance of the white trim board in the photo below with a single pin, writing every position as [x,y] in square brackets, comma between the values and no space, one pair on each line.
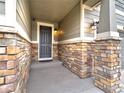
[108,35]
[77,40]
[119,12]
[38,40]
[45,59]
[55,42]
[74,40]
[17,30]
[82,10]
[22,32]
[34,42]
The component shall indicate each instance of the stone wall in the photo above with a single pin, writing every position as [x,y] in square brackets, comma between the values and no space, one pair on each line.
[55,51]
[100,59]
[34,52]
[14,63]
[78,57]
[107,70]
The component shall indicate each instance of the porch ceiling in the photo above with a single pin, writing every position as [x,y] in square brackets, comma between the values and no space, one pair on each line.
[91,3]
[51,10]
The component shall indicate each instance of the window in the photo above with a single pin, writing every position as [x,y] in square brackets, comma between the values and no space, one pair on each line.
[2,7]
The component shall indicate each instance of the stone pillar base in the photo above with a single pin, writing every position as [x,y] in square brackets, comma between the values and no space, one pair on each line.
[14,63]
[107,71]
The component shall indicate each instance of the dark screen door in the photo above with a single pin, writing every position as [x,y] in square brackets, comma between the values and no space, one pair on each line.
[45,42]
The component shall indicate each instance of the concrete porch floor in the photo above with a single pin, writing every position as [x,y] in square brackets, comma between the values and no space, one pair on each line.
[52,77]
[122,81]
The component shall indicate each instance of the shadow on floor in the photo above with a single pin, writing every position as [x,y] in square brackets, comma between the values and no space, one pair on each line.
[53,77]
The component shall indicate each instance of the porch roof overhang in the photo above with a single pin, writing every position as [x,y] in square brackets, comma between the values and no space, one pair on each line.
[51,10]
[55,10]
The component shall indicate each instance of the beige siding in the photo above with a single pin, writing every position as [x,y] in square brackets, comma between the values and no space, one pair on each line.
[34,31]
[23,15]
[90,16]
[120,6]
[70,25]
[120,21]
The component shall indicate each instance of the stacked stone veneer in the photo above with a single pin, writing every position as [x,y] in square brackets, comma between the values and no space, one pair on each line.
[34,52]
[107,58]
[78,57]
[55,51]
[14,63]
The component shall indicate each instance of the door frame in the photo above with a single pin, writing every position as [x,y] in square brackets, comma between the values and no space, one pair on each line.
[38,39]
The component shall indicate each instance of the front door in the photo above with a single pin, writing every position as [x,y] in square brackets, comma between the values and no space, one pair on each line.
[45,43]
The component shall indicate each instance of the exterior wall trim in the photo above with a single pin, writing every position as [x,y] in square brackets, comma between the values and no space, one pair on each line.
[38,31]
[34,42]
[18,30]
[81,21]
[77,40]
[55,42]
[74,40]
[22,32]
[119,12]
[87,7]
[108,35]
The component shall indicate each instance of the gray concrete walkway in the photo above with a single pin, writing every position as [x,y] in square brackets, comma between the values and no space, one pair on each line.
[52,77]
[122,81]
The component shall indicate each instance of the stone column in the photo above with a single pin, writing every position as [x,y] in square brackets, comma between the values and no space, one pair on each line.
[8,64]
[14,62]
[107,52]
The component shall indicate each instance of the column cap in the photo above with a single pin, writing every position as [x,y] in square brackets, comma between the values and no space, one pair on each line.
[108,35]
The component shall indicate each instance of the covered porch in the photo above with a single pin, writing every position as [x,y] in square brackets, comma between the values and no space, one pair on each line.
[61,46]
[87,40]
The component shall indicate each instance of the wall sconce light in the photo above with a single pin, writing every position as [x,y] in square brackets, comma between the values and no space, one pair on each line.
[94,23]
[55,34]
[55,30]
[93,28]
[58,32]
